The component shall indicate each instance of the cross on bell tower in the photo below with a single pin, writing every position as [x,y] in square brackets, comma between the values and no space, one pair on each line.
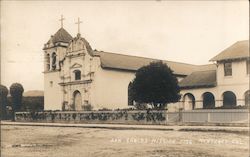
[78,23]
[61,19]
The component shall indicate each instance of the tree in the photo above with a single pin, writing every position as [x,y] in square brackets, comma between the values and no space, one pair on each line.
[3,100]
[156,85]
[16,92]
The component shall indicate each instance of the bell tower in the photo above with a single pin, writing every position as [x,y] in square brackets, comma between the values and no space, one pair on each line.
[55,49]
[54,54]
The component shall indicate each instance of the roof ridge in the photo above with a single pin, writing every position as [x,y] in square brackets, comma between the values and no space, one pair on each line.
[206,64]
[203,70]
[147,58]
[223,55]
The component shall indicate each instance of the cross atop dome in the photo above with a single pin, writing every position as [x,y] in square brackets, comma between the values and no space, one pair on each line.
[61,19]
[78,23]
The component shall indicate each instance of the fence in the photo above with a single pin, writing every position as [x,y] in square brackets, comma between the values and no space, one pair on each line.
[216,116]
[113,117]
[228,116]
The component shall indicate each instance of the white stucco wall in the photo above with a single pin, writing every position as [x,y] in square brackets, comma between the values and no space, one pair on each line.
[52,91]
[110,88]
[238,83]
[239,74]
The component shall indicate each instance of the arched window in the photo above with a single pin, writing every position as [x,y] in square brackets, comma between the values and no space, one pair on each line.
[247,98]
[130,95]
[208,100]
[189,101]
[47,62]
[53,61]
[229,99]
[77,74]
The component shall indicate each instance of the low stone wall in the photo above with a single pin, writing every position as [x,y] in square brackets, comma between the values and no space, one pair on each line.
[201,117]
[114,117]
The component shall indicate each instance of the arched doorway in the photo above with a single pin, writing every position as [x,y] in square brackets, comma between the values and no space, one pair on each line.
[77,101]
[208,100]
[229,99]
[247,98]
[189,101]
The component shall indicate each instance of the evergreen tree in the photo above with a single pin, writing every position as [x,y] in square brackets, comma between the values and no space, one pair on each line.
[3,101]
[156,85]
[16,92]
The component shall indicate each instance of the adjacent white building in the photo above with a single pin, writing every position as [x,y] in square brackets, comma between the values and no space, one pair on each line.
[227,85]
[75,75]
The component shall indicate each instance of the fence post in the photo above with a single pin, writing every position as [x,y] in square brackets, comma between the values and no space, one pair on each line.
[208,117]
[166,120]
[248,116]
[180,115]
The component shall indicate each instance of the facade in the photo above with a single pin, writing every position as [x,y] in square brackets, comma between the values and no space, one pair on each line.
[76,76]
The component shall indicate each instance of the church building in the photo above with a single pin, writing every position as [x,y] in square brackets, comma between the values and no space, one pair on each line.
[75,76]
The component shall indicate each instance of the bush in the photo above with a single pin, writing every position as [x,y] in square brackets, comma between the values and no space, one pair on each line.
[64,105]
[142,106]
[33,103]
[3,100]
[104,109]
[16,92]
[87,107]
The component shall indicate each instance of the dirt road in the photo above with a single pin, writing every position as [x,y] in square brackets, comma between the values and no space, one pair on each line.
[30,141]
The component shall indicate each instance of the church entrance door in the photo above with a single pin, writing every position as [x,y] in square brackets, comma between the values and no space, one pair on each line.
[77,100]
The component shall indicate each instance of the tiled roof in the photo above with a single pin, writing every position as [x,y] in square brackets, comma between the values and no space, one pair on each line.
[61,36]
[199,79]
[238,50]
[132,63]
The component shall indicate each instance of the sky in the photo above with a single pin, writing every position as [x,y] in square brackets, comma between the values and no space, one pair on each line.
[183,31]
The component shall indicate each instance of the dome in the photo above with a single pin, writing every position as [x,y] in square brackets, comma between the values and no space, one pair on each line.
[61,36]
